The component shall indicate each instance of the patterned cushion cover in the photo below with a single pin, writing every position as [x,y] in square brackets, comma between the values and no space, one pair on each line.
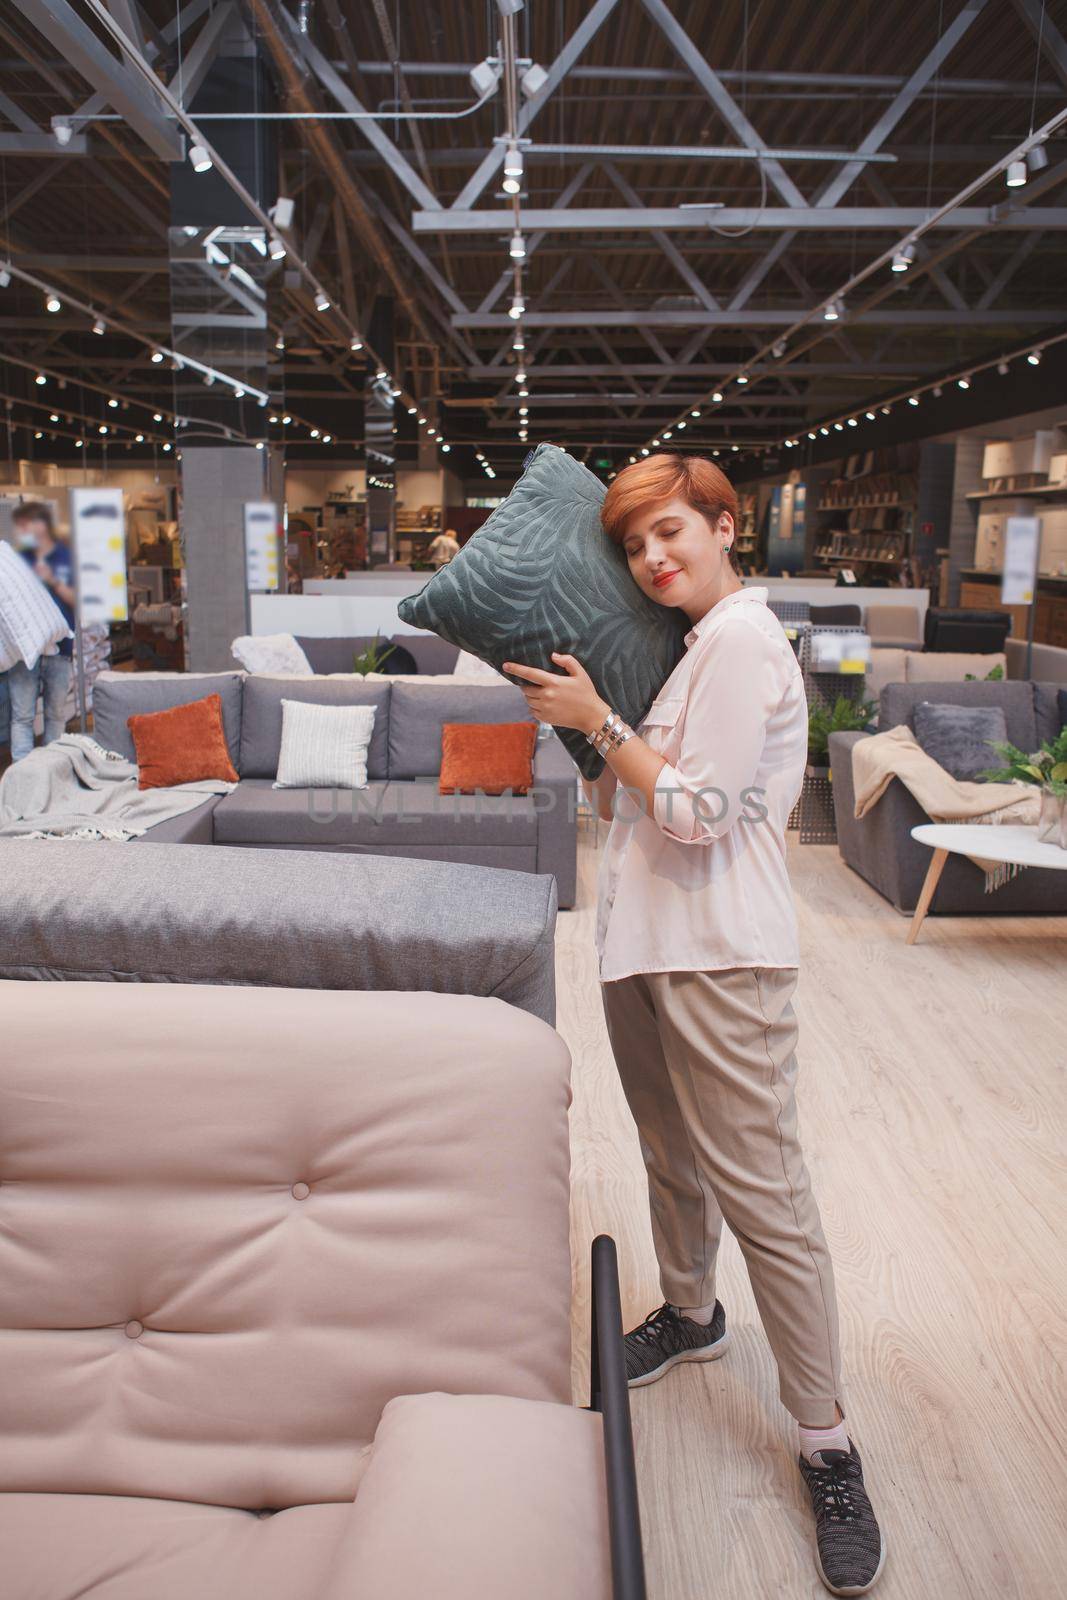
[541,575]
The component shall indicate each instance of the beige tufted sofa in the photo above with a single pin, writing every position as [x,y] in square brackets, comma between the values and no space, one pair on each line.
[284,1300]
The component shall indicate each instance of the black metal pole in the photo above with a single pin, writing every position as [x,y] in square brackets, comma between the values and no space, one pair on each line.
[611,1397]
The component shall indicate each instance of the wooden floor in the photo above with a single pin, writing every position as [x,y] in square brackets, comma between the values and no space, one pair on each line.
[932,1111]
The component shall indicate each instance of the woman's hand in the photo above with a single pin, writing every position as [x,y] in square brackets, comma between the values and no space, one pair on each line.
[567,699]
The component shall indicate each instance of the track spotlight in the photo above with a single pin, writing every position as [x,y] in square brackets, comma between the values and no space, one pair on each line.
[903,258]
[62,131]
[1002,368]
[742,377]
[199,158]
[717,396]
[1015,176]
[1034,358]
[113,403]
[832,311]
[964,383]
[445,448]
[286,419]
[913,399]
[869,415]
[811,435]
[40,378]
[852,422]
[355,345]
[825,432]
[156,357]
[54,416]
[314,433]
[520,376]
[485,77]
[518,343]
[52,302]
[5,277]
[99,327]
[322,301]
[167,447]
[1037,158]
[139,439]
[517,307]
[839,427]
[276,249]
[778,349]
[694,413]
[517,248]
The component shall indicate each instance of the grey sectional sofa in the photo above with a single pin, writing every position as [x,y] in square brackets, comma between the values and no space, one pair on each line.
[400,813]
[879,846]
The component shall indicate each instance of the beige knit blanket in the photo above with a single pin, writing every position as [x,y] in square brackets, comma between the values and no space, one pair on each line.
[897,754]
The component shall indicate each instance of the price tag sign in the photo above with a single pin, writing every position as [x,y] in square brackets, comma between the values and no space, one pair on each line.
[1022,547]
[98,527]
[261,545]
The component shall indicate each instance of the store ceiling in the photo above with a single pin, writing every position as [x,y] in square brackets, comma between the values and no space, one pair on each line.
[632,319]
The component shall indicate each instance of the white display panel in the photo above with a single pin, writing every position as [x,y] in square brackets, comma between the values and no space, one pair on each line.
[1022,542]
[261,546]
[98,533]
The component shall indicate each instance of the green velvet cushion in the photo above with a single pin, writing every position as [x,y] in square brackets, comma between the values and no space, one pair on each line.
[542,575]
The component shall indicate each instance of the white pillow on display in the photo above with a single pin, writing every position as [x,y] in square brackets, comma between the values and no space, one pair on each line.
[472,669]
[271,655]
[324,747]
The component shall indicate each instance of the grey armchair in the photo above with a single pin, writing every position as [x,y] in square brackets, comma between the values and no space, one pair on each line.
[879,846]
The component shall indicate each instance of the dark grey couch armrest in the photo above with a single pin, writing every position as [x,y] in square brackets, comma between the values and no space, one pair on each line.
[556,800]
[879,845]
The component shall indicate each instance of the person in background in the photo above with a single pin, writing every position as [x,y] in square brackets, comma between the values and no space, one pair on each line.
[53,562]
[443,548]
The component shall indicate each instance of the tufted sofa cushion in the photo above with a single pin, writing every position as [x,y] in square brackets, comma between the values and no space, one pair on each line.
[232,1230]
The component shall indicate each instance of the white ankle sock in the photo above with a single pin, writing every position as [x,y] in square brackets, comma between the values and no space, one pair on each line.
[701,1314]
[812,1440]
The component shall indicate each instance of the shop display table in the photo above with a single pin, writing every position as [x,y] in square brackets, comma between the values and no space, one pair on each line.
[1009,843]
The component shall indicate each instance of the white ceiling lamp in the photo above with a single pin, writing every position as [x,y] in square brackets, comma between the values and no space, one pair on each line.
[157,416]
[485,77]
[964,383]
[40,379]
[852,422]
[778,349]
[355,345]
[518,343]
[886,410]
[655,442]
[314,433]
[904,257]
[5,277]
[524,411]
[913,399]
[79,444]
[199,159]
[936,391]
[717,397]
[694,413]
[679,425]
[644,451]
[513,165]
[156,357]
[54,417]
[516,308]
[62,131]
[259,444]
[113,403]
[1034,358]
[140,438]
[276,249]
[825,432]
[868,414]
[839,427]
[99,326]
[322,301]
[286,419]
[445,448]
[812,434]
[832,311]
[533,80]
[668,434]
[103,427]
[166,447]
[52,302]
[517,248]
[1015,176]
[742,377]
[1037,158]
[1003,368]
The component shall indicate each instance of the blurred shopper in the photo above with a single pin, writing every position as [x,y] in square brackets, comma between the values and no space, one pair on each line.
[443,548]
[697,940]
[49,679]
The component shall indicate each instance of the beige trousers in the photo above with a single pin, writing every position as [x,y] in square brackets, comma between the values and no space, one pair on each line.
[708,1065]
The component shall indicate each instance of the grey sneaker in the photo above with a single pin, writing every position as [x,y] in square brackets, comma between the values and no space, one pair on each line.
[665,1338]
[849,1548]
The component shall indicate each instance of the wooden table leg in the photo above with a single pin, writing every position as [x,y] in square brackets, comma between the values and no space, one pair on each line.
[933,874]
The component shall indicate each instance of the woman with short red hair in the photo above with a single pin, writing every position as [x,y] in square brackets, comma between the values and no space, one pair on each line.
[697,940]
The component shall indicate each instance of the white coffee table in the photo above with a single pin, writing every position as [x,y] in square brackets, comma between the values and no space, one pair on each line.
[1008,843]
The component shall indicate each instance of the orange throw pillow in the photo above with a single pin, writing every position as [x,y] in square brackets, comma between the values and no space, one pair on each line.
[491,756]
[181,745]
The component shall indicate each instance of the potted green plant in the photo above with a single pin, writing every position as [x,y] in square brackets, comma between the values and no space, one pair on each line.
[845,716]
[1047,769]
[371,659]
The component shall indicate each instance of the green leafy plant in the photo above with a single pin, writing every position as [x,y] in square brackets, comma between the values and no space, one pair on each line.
[994,676]
[370,659]
[1047,767]
[847,716]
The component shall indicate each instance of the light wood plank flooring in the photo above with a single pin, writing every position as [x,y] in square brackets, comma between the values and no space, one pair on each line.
[932,1111]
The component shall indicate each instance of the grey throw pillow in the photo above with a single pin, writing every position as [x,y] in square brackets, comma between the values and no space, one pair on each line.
[958,737]
[542,575]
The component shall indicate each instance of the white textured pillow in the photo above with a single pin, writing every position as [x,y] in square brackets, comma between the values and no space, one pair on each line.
[472,669]
[31,624]
[271,655]
[324,747]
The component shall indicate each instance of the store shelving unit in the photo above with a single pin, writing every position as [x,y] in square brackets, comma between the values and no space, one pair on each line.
[867,522]
[813,813]
[415,530]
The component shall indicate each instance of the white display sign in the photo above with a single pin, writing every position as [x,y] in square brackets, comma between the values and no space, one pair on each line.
[1022,548]
[261,545]
[98,533]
